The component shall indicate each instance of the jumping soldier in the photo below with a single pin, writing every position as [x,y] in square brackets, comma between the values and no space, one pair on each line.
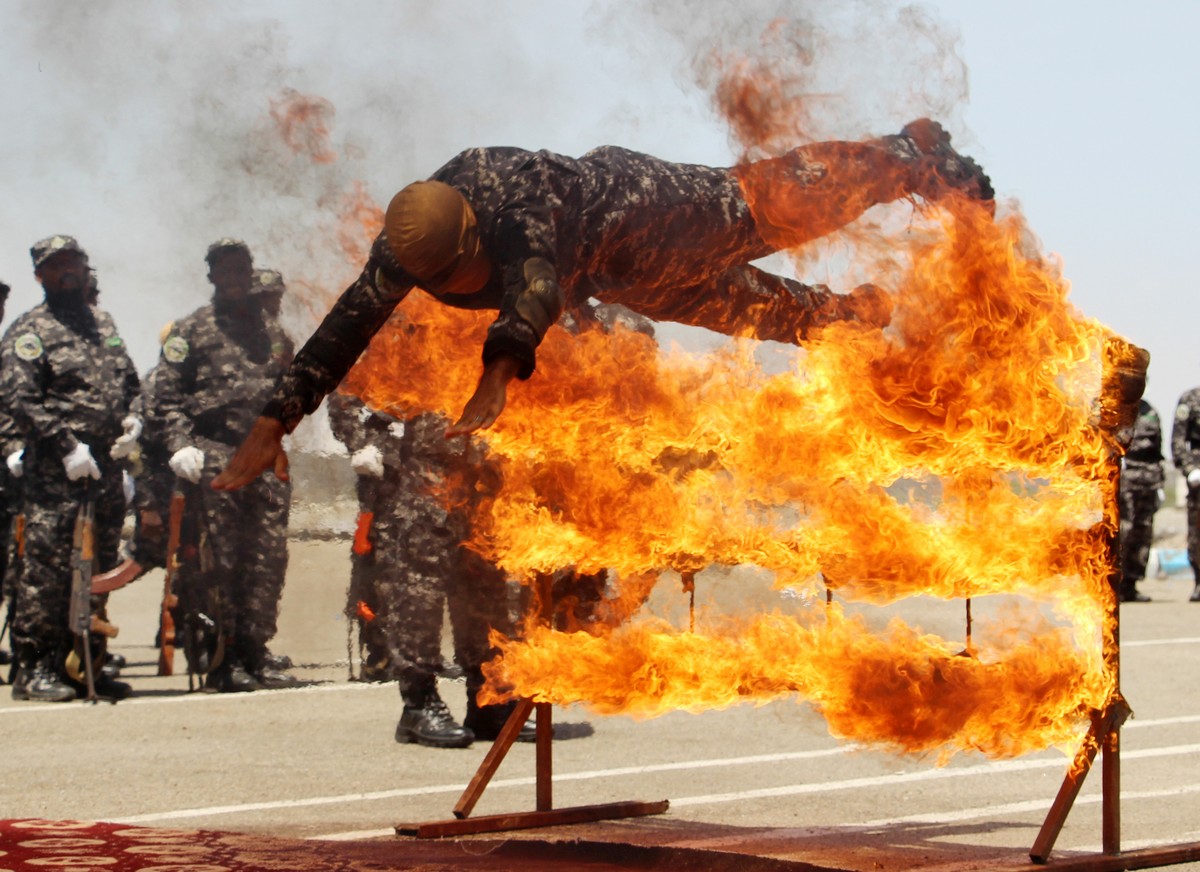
[217,364]
[1142,479]
[68,383]
[529,233]
[1185,453]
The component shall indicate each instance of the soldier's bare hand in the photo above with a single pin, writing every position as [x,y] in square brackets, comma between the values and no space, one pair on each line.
[261,450]
[489,398]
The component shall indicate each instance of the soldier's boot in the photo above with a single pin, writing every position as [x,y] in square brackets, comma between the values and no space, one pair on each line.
[278,661]
[231,676]
[937,169]
[1195,597]
[38,680]
[1130,593]
[486,721]
[265,668]
[426,720]
[113,664]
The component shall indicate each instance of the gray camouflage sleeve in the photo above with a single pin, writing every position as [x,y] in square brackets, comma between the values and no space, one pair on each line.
[327,356]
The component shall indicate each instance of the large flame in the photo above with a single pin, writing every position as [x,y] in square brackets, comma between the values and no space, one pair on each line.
[955,454]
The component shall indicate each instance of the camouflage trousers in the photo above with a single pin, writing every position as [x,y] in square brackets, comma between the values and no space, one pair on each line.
[417,569]
[42,580]
[243,556]
[1193,530]
[1137,531]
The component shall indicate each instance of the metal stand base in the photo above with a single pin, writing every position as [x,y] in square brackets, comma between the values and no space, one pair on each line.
[545,815]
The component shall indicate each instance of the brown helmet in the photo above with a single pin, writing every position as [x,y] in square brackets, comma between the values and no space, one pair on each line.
[432,231]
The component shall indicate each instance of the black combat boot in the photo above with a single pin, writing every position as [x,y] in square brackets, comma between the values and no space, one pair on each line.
[486,721]
[267,668]
[937,169]
[38,681]
[279,662]
[1130,593]
[113,664]
[425,719]
[231,677]
[1195,597]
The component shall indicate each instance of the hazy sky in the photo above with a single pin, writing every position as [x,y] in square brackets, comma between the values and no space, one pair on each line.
[144,129]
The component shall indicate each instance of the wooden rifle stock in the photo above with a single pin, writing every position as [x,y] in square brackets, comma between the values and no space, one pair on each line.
[166,621]
[83,556]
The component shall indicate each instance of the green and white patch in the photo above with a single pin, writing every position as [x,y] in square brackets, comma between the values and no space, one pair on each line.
[28,346]
[175,349]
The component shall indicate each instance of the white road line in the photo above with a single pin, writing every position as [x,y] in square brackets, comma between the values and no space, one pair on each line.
[682,802]
[1142,643]
[907,777]
[1011,808]
[503,782]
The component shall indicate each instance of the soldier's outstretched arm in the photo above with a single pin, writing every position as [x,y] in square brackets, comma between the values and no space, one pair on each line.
[489,398]
[261,450]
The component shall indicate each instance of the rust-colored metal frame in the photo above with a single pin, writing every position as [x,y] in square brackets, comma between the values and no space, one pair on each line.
[545,814]
[1121,391]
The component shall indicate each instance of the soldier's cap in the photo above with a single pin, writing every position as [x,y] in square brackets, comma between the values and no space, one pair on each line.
[223,245]
[431,229]
[268,281]
[44,249]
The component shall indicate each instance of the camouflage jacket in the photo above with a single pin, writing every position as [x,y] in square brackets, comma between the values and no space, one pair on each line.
[1185,434]
[215,371]
[423,470]
[1143,465]
[615,224]
[67,378]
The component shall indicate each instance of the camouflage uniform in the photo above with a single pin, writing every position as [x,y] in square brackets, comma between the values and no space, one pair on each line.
[1185,453]
[67,378]
[216,367]
[420,565]
[153,478]
[671,241]
[1142,478]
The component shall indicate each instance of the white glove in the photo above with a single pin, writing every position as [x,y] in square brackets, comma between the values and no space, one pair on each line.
[16,463]
[80,463]
[127,441]
[127,486]
[188,463]
[1193,478]
[367,461]
[396,429]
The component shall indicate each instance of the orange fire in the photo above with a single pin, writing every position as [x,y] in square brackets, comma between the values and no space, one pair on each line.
[954,454]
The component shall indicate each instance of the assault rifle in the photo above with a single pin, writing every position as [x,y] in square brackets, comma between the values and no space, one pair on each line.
[166,620]
[83,555]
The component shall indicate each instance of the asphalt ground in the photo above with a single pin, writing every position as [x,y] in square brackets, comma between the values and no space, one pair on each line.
[320,763]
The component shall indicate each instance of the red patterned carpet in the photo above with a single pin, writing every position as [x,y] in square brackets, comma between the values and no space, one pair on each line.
[81,846]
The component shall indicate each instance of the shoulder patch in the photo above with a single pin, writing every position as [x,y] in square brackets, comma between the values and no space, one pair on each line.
[28,346]
[114,342]
[175,349]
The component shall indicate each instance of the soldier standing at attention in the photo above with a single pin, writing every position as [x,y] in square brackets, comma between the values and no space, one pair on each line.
[1142,478]
[68,383]
[417,491]
[217,365]
[1185,453]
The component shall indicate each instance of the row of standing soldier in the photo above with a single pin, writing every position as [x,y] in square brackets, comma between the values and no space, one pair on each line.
[81,427]
[1141,490]
[76,415]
